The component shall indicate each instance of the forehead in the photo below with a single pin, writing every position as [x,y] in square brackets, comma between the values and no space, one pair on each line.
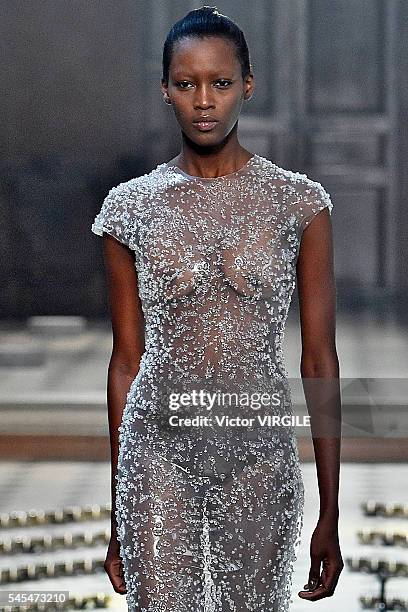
[204,54]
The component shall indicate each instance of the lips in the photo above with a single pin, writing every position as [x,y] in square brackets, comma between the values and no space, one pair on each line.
[205,124]
[200,118]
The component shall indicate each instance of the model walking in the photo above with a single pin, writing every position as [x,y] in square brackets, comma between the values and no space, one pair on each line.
[202,255]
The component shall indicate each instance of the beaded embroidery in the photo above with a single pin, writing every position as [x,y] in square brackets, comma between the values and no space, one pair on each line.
[209,518]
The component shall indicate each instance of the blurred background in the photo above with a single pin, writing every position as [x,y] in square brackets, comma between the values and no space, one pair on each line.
[82,111]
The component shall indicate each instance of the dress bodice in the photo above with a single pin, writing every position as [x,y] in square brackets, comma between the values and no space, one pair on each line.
[216,262]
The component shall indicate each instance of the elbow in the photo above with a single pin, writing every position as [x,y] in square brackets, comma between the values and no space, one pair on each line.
[126,366]
[323,364]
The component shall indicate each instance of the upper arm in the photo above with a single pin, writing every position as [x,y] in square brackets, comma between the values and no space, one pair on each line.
[116,222]
[125,305]
[315,278]
[115,217]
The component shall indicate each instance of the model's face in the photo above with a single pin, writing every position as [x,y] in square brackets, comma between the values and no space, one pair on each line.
[205,78]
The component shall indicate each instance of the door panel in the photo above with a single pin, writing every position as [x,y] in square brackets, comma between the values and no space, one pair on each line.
[325,103]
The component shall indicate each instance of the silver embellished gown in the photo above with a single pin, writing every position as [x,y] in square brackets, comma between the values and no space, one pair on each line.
[210,515]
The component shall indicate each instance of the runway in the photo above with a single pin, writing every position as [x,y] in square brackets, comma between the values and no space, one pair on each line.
[55,485]
[53,405]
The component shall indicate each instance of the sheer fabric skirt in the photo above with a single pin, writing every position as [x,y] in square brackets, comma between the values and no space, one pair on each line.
[206,524]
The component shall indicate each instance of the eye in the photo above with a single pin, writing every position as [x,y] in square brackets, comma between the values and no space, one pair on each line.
[181,83]
[224,82]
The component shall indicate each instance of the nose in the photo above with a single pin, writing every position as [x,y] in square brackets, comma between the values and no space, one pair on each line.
[203,97]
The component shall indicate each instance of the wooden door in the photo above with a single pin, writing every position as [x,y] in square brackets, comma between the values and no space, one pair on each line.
[326,103]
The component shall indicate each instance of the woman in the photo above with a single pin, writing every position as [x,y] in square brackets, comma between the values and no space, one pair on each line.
[201,257]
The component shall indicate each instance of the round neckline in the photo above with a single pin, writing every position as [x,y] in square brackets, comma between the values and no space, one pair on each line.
[243,168]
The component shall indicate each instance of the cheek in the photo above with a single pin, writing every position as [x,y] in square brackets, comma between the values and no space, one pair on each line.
[178,109]
[233,107]
[181,106]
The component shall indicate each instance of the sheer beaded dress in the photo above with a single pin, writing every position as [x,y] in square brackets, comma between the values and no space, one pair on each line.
[210,515]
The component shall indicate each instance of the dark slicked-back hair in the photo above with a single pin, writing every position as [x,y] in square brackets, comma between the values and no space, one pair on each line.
[202,22]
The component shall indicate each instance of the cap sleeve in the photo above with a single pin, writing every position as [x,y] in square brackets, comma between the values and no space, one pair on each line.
[313,199]
[113,217]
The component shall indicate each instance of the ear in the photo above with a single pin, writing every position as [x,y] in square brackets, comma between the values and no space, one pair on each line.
[164,87]
[249,86]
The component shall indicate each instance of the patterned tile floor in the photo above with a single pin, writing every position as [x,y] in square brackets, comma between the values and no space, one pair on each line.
[25,486]
[68,372]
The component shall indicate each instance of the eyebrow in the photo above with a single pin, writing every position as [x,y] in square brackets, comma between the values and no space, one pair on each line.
[178,72]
